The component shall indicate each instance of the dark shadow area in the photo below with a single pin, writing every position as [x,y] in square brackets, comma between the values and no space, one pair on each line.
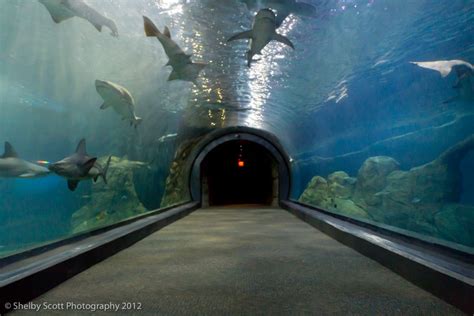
[467,165]
[239,172]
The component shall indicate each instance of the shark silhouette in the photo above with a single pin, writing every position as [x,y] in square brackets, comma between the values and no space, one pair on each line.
[12,166]
[263,32]
[183,67]
[464,72]
[79,166]
[61,10]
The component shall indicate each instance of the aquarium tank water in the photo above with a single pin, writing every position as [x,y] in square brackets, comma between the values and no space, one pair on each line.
[101,101]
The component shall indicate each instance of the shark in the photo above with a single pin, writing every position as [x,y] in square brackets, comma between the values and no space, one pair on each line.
[283,7]
[263,32]
[183,67]
[61,10]
[80,166]
[12,166]
[464,72]
[120,99]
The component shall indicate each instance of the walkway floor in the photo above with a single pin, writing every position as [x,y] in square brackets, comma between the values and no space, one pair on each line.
[245,261]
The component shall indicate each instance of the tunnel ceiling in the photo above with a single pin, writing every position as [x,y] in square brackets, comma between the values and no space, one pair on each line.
[310,97]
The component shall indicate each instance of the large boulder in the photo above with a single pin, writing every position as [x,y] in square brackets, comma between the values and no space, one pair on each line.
[372,178]
[341,185]
[425,189]
[316,193]
[333,195]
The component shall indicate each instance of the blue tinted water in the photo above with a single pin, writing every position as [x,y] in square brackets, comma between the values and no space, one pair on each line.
[346,93]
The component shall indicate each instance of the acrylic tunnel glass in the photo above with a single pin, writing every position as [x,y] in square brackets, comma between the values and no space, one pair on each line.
[61,80]
[374,130]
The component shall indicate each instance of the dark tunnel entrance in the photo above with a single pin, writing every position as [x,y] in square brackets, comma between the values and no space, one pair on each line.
[239,172]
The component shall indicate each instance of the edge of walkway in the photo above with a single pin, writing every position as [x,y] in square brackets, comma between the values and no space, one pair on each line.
[28,277]
[446,277]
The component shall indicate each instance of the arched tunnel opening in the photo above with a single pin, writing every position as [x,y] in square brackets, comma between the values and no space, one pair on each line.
[239,172]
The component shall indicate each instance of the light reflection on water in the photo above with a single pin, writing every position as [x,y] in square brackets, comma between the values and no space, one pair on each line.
[348,40]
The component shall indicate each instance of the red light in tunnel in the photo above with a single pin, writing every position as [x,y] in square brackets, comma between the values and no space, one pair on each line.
[240,163]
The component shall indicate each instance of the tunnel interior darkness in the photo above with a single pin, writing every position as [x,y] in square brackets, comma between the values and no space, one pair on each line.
[239,172]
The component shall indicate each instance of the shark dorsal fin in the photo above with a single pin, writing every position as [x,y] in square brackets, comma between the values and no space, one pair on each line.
[81,147]
[9,151]
[167,33]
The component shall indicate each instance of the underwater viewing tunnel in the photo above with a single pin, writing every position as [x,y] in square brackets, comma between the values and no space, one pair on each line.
[238,157]
[238,172]
[240,166]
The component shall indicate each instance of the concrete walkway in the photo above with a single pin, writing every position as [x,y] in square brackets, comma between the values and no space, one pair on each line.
[244,261]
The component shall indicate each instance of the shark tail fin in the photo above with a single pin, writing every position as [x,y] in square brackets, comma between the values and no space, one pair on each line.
[150,28]
[106,168]
[113,27]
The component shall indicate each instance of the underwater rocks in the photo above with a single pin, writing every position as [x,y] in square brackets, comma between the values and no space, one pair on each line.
[333,194]
[112,202]
[456,222]
[423,199]
[176,190]
[371,177]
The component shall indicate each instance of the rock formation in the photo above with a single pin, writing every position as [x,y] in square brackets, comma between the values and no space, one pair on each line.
[176,190]
[112,202]
[424,199]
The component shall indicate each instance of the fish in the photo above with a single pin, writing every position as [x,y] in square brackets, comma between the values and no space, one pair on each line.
[283,8]
[61,10]
[183,67]
[120,99]
[80,166]
[262,33]
[12,166]
[464,73]
[167,137]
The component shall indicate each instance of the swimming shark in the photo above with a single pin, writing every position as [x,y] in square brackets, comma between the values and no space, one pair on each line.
[120,99]
[183,67]
[464,72]
[61,10]
[12,166]
[263,32]
[80,166]
[283,8]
